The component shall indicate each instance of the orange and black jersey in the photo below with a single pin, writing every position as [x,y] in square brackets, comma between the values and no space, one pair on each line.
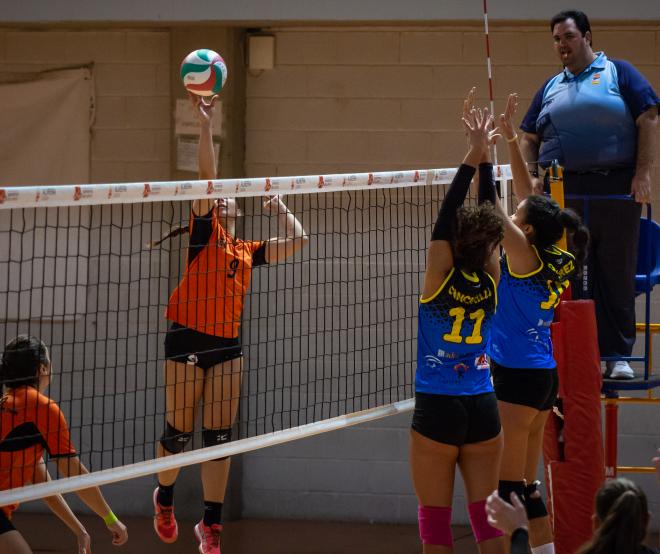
[30,423]
[211,294]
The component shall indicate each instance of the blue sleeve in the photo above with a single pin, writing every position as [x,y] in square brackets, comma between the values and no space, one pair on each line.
[529,121]
[635,89]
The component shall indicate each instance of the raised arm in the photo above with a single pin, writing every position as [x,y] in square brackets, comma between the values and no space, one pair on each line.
[92,497]
[291,236]
[522,257]
[440,258]
[523,185]
[488,193]
[208,166]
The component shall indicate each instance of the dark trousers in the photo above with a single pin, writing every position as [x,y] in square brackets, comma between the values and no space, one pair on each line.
[609,273]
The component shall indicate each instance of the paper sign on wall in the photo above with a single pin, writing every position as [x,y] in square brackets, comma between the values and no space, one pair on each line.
[186,121]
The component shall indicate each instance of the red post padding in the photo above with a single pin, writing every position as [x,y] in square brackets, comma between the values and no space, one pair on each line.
[573,446]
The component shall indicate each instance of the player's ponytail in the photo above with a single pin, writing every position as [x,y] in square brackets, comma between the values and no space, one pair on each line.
[622,510]
[571,221]
[172,233]
[550,221]
[21,360]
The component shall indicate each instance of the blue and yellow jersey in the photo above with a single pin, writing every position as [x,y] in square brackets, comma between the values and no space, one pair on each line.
[453,331]
[520,335]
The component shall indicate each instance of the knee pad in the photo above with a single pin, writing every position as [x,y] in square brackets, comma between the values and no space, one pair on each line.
[214,437]
[173,440]
[505,488]
[435,525]
[483,531]
[534,502]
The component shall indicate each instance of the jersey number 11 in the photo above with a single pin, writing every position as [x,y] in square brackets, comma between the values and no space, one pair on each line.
[459,316]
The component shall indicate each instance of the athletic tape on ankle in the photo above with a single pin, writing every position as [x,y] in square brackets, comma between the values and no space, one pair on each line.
[534,503]
[435,525]
[482,530]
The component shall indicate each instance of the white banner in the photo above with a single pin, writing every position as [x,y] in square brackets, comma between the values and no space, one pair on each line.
[72,195]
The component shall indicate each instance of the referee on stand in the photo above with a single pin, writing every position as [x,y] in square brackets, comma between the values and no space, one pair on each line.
[598,117]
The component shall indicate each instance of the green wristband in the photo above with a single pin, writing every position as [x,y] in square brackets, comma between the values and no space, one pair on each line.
[110,519]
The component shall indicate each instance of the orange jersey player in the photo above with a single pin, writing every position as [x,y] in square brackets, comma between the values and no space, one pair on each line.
[31,424]
[202,346]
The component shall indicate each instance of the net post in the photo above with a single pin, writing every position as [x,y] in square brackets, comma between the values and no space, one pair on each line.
[557,192]
[611,434]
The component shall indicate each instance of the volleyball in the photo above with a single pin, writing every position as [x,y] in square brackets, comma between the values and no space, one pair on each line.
[204,72]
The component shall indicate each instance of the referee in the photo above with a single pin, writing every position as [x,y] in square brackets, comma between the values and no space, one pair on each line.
[598,117]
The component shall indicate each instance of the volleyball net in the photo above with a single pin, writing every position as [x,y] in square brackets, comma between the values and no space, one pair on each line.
[328,335]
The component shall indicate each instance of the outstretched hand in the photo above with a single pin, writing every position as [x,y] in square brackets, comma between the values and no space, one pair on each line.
[504,516]
[203,108]
[506,119]
[478,127]
[274,205]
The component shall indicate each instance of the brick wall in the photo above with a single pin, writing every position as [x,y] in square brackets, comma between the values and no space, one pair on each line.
[343,99]
[351,99]
[131,69]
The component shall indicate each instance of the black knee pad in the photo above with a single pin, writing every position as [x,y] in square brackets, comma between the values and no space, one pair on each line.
[533,502]
[505,488]
[173,440]
[213,437]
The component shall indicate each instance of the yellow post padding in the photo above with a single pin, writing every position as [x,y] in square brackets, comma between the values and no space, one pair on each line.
[556,174]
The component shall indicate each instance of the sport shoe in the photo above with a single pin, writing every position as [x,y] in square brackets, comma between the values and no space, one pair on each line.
[208,538]
[164,521]
[619,370]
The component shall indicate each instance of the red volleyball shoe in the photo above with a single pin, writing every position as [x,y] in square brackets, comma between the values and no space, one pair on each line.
[164,521]
[208,537]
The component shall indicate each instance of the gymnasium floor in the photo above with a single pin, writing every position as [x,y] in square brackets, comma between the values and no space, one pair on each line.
[240,537]
[247,536]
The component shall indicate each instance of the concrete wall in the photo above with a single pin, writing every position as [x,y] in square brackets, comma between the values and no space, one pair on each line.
[131,134]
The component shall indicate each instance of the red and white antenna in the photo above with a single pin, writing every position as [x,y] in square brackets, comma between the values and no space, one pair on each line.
[490,73]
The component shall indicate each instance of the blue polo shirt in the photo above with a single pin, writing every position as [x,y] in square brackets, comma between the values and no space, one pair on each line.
[587,121]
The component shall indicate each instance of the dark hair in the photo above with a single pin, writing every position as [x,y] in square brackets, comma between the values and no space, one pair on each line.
[172,233]
[21,360]
[477,230]
[580,18]
[549,222]
[622,509]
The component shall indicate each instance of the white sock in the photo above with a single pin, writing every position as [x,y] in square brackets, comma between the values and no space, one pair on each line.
[544,549]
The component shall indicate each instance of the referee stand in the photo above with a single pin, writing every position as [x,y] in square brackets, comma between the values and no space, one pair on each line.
[575,461]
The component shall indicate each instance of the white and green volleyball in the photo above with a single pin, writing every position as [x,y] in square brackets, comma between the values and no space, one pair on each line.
[204,72]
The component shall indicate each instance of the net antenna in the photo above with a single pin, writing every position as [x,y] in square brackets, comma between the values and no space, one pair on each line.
[491,97]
